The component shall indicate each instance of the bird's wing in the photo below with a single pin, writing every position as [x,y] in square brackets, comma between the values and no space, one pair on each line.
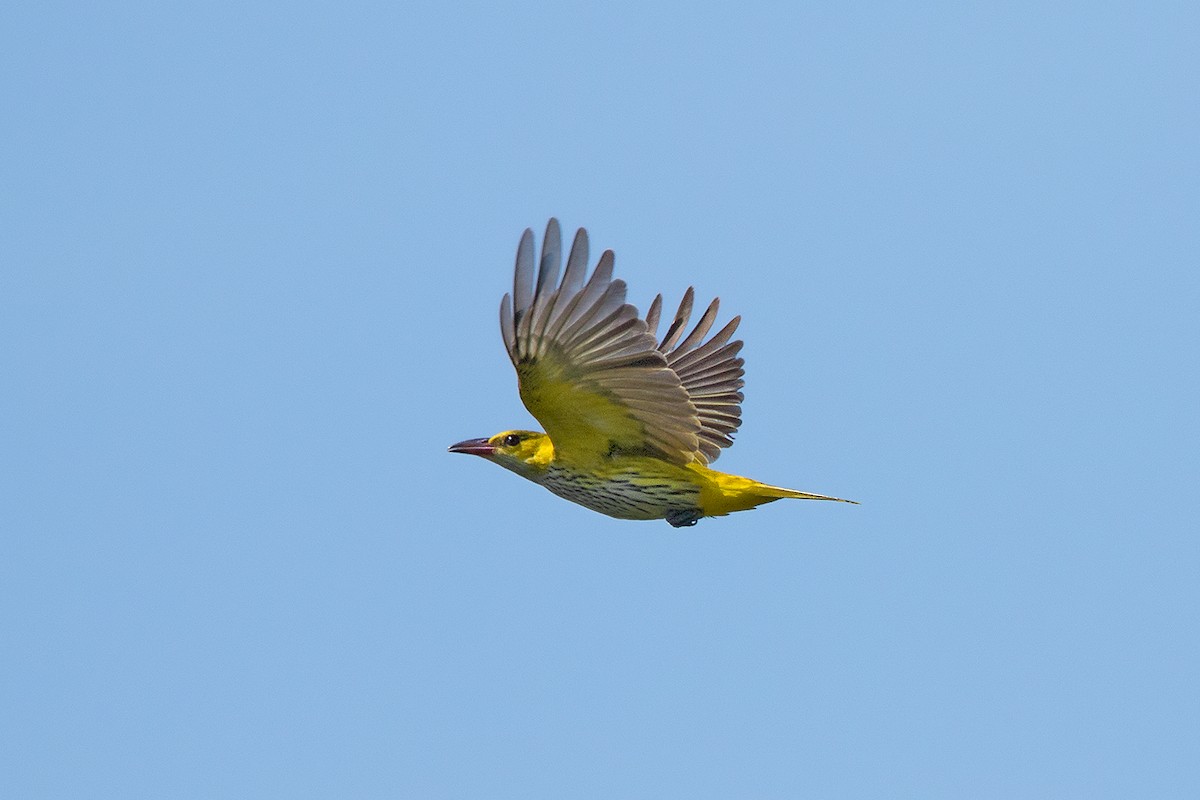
[710,372]
[588,366]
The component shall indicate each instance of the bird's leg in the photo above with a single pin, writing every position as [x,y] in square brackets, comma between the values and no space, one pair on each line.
[684,517]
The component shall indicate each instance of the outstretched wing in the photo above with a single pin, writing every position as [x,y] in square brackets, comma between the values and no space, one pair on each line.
[710,372]
[588,367]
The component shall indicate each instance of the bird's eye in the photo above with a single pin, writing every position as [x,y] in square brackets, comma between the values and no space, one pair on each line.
[512,440]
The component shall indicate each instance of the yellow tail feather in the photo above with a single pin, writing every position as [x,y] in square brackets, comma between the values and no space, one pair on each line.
[778,492]
[723,493]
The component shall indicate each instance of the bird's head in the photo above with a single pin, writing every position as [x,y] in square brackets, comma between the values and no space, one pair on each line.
[524,452]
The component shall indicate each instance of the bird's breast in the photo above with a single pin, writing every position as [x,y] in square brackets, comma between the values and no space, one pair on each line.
[623,491]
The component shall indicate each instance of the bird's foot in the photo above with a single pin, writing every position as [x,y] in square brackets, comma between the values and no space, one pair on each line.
[684,518]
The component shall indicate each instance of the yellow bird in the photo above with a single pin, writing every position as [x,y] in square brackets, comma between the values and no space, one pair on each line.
[631,422]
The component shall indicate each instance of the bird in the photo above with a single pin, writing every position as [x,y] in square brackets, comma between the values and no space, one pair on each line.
[631,421]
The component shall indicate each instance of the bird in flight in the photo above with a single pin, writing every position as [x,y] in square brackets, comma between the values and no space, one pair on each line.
[632,421]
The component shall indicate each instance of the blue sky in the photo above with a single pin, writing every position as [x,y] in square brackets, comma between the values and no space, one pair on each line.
[252,258]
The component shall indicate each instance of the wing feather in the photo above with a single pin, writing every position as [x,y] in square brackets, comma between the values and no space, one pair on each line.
[567,295]
[653,314]
[681,318]
[697,335]
[716,342]
[589,368]
[718,383]
[587,365]
[551,260]
[543,297]
[576,264]
[523,273]
[506,327]
[710,371]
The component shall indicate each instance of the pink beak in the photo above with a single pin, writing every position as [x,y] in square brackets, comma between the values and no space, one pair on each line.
[475,447]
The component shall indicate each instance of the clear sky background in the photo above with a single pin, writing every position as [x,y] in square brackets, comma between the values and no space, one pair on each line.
[250,267]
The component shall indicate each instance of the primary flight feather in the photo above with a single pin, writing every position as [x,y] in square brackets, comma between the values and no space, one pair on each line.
[631,421]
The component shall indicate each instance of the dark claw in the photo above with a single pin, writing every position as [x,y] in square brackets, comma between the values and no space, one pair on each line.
[684,518]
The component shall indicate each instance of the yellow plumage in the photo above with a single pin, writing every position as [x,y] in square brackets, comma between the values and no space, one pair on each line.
[631,422]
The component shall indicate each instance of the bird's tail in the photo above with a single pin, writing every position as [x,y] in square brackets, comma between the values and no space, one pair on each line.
[778,492]
[726,493]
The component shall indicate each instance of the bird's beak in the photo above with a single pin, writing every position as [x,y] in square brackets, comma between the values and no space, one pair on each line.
[475,447]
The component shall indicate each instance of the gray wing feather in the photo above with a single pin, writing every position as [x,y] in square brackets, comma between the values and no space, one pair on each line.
[608,347]
[711,372]
[681,318]
[653,314]
[523,275]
